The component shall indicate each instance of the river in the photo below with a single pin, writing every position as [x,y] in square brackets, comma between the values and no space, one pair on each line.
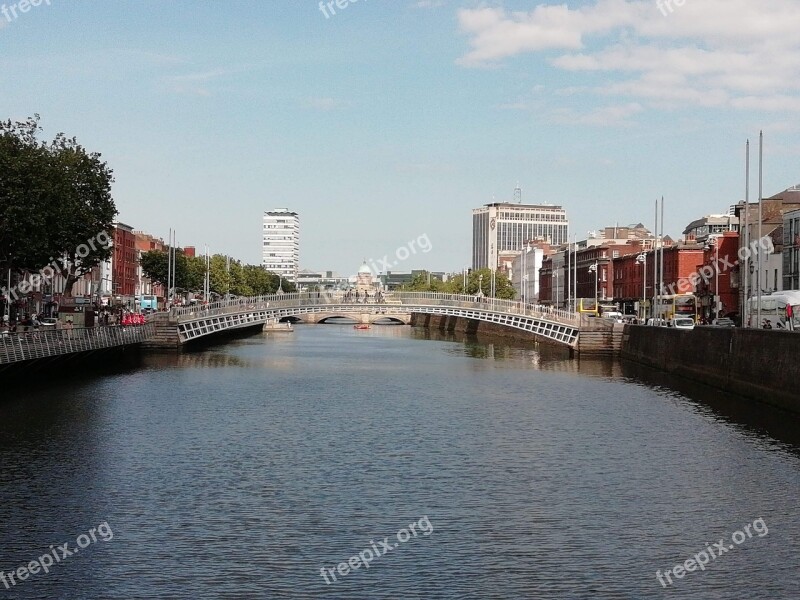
[391,463]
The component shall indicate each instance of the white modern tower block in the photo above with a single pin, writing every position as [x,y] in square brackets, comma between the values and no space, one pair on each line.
[280,252]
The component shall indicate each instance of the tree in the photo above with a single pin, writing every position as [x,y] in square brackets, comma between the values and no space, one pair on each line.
[423,282]
[482,278]
[241,280]
[189,271]
[24,198]
[56,209]
[82,219]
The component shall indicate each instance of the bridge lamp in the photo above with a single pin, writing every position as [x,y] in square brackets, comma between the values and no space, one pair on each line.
[642,260]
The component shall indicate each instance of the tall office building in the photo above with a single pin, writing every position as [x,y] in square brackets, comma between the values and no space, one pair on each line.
[280,252]
[502,228]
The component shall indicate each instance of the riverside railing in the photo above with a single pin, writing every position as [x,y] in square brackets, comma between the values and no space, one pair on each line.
[410,299]
[17,347]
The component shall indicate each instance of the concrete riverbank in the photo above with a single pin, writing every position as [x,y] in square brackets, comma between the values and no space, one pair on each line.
[753,363]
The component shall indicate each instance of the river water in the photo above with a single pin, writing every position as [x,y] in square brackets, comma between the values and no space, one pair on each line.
[258,468]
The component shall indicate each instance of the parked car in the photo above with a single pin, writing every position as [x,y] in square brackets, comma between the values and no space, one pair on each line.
[682,323]
[657,322]
[48,323]
[613,316]
[723,322]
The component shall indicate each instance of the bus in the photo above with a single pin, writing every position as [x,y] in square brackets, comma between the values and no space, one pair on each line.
[149,303]
[677,305]
[588,306]
[780,310]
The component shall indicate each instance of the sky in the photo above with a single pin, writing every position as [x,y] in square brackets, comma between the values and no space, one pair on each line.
[390,120]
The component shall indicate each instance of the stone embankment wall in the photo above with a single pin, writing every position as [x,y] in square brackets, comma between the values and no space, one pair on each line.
[754,363]
[460,325]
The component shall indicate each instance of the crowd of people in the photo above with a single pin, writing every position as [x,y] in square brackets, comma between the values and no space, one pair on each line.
[358,297]
[39,322]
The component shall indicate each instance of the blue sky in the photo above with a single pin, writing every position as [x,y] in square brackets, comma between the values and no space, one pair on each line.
[393,119]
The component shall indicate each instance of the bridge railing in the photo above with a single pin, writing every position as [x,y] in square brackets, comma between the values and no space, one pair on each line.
[485,303]
[278,301]
[16,347]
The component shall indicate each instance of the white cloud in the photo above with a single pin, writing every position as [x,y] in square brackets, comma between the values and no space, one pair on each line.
[722,53]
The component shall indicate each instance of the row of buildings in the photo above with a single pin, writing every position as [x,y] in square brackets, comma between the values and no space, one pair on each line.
[616,265]
[280,253]
[118,282]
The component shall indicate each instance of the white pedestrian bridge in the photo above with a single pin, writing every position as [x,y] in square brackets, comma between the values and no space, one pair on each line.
[196,322]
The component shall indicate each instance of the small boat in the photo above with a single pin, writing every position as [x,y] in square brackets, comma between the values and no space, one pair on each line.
[361,326]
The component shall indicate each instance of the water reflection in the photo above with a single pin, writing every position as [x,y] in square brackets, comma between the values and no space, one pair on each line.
[771,424]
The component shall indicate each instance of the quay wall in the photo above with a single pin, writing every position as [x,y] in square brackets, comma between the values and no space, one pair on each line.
[753,363]
[452,324]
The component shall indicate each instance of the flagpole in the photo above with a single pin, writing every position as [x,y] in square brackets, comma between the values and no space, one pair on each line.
[655,267]
[746,311]
[661,267]
[760,220]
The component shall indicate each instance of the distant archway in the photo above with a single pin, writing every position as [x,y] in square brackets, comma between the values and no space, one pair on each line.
[337,320]
[389,321]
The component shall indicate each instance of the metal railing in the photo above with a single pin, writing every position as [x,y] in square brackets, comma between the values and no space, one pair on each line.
[410,299]
[17,347]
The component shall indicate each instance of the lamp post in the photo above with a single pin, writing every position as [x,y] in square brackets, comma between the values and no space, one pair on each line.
[593,268]
[642,260]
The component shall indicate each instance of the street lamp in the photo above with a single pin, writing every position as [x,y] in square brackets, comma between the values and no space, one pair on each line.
[642,260]
[593,268]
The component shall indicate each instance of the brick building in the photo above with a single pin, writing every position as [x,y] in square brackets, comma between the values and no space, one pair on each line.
[124,264]
[720,277]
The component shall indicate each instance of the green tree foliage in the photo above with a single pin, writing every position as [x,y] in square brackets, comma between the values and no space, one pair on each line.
[25,197]
[189,271]
[455,284]
[234,278]
[84,213]
[55,203]
[421,282]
